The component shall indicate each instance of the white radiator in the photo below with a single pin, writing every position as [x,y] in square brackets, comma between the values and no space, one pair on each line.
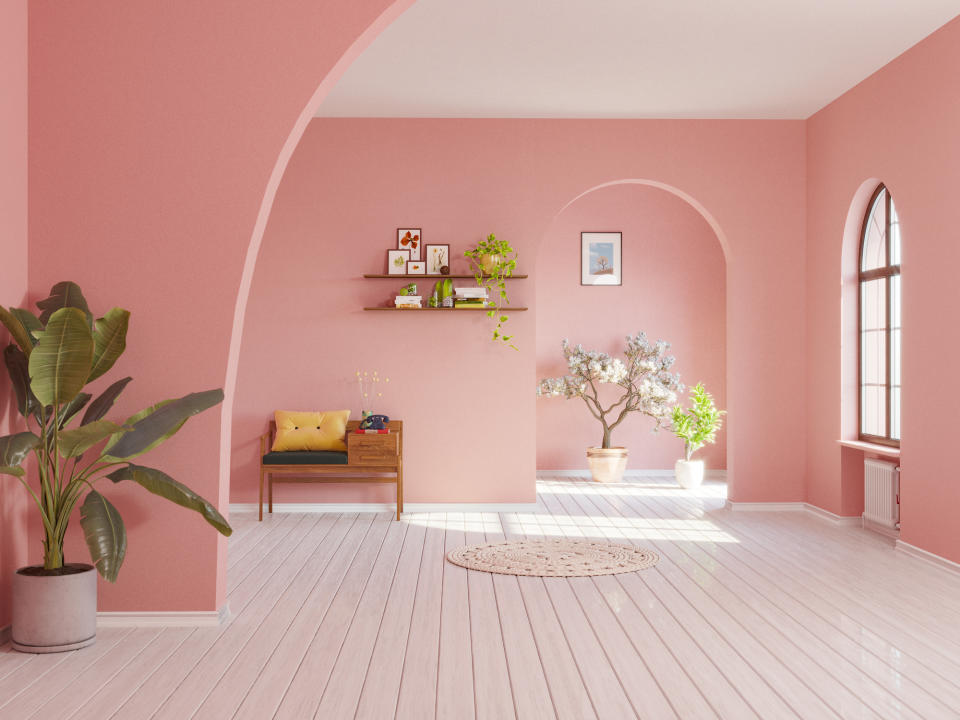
[881,490]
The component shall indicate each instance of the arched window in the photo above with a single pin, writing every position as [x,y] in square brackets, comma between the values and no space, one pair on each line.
[880,322]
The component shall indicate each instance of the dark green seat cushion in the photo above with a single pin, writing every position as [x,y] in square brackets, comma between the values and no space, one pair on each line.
[306,457]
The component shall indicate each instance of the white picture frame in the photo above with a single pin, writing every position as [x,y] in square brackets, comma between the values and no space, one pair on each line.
[601,258]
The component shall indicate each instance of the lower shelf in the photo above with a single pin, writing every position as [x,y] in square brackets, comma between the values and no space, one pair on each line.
[442,309]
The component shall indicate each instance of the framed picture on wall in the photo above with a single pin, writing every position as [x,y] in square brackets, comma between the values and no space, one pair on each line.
[601,262]
[397,262]
[438,258]
[416,268]
[411,239]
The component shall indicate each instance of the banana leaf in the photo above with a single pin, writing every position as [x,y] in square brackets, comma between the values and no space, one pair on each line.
[14,448]
[60,363]
[29,321]
[105,534]
[159,483]
[99,407]
[72,408]
[17,331]
[109,341]
[161,424]
[18,369]
[74,443]
[64,294]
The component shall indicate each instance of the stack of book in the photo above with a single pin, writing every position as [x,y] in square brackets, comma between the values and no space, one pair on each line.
[408,301]
[470,297]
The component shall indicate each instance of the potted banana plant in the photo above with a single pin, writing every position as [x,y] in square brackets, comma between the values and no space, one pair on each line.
[696,427]
[53,358]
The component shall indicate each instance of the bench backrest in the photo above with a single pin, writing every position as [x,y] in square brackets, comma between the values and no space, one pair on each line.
[394,425]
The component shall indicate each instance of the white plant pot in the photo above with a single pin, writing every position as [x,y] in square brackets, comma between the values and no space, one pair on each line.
[689,473]
[54,613]
[607,464]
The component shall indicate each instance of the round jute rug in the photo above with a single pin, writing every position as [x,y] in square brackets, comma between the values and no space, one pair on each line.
[553,558]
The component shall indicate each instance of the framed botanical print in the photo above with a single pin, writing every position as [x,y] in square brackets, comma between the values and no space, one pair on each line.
[411,239]
[397,262]
[416,268]
[601,261]
[438,259]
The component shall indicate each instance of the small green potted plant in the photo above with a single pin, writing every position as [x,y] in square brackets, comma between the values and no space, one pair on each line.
[696,427]
[493,261]
[53,358]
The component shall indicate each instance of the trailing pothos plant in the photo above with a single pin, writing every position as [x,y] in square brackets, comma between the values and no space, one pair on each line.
[54,356]
[493,261]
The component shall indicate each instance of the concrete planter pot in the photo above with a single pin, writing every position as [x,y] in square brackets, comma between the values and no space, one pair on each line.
[607,464]
[54,612]
[689,473]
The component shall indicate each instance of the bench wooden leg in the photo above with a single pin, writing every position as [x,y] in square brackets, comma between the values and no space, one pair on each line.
[399,487]
[270,491]
[262,473]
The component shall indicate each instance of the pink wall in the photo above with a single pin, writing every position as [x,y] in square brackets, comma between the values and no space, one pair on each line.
[899,126]
[351,182]
[13,267]
[673,288]
[155,131]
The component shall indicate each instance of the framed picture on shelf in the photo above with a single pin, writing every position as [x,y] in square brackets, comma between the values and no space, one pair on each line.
[397,262]
[411,239]
[601,262]
[438,258]
[416,268]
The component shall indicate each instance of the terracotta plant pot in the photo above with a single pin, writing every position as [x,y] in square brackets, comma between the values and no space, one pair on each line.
[54,613]
[490,263]
[689,473]
[607,464]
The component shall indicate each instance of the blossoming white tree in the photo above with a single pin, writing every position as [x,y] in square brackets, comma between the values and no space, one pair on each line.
[648,385]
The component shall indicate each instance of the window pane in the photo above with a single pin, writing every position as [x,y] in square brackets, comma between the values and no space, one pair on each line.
[873,304]
[895,301]
[873,357]
[874,253]
[894,235]
[894,357]
[895,413]
[873,410]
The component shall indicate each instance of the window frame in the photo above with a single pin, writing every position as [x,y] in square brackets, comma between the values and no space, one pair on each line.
[888,272]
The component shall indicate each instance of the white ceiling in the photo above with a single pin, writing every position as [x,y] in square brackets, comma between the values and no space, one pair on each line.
[628,58]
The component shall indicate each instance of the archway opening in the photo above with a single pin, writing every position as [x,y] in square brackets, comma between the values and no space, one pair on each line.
[673,287]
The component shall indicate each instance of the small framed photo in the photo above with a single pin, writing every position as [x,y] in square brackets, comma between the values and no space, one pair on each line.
[397,262]
[416,268]
[600,258]
[411,239]
[438,259]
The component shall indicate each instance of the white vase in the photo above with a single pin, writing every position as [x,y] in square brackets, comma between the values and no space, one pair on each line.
[607,464]
[689,473]
[54,613]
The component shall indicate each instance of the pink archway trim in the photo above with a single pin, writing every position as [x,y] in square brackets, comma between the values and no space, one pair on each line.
[256,237]
[689,199]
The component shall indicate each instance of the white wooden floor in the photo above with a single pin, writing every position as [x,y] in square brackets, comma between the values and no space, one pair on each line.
[747,615]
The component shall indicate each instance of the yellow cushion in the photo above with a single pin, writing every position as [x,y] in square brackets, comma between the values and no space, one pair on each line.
[310,430]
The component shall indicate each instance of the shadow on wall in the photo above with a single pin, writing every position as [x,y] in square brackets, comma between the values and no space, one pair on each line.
[673,288]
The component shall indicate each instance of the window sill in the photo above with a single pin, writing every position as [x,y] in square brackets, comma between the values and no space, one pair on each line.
[871,447]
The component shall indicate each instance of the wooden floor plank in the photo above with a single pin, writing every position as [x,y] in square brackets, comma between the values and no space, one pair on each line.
[455,685]
[418,683]
[310,678]
[380,690]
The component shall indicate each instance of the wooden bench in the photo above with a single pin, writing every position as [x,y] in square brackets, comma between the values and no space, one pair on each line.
[369,458]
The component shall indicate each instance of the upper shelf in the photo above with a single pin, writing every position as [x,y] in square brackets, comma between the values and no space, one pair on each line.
[440,277]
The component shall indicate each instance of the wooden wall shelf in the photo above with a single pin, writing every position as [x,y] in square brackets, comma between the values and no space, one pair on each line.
[447,309]
[436,277]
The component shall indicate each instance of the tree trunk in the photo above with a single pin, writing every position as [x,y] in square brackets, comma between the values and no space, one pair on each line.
[606,437]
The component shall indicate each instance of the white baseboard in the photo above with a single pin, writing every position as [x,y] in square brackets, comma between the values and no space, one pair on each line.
[819,512]
[385,507]
[927,556]
[712,474]
[211,618]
